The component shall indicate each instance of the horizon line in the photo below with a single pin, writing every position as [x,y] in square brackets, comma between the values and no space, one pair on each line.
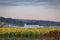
[29,19]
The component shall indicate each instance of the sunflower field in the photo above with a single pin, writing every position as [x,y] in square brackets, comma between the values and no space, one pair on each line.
[25,32]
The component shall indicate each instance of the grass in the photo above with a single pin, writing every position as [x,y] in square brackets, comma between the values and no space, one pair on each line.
[19,34]
[25,32]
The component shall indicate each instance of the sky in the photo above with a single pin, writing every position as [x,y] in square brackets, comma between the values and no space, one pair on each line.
[31,9]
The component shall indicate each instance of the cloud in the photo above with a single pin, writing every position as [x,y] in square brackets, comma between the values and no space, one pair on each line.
[28,2]
[31,9]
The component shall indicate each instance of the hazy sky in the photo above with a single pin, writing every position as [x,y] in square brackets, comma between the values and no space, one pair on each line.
[31,9]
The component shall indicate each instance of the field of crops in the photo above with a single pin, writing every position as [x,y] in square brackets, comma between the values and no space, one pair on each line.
[27,32]
[38,30]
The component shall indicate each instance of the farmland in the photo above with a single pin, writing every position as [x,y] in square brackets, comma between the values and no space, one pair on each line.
[4,30]
[29,33]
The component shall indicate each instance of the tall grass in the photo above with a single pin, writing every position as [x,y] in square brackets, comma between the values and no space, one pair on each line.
[19,34]
[25,32]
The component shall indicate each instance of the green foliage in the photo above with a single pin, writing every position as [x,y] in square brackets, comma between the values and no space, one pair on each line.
[30,34]
[24,34]
[1,35]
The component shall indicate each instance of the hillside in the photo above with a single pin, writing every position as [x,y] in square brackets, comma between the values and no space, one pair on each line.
[21,22]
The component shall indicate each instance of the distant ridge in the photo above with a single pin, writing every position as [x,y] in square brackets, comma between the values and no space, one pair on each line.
[21,22]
